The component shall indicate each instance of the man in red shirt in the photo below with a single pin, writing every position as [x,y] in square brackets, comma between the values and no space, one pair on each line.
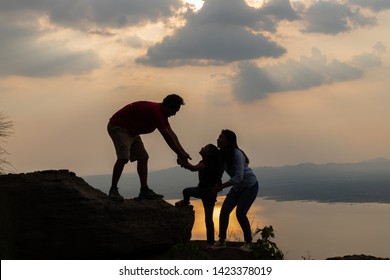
[125,128]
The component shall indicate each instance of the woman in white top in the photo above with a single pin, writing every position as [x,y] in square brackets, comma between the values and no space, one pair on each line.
[244,188]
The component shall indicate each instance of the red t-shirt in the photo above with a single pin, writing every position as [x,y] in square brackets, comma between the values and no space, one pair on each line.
[140,117]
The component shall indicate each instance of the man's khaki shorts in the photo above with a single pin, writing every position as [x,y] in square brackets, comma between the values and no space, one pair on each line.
[127,146]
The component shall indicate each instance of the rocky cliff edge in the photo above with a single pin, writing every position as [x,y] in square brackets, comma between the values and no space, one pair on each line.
[57,215]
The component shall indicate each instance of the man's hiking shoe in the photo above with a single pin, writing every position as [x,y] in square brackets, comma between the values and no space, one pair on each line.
[182,203]
[149,194]
[115,196]
[220,244]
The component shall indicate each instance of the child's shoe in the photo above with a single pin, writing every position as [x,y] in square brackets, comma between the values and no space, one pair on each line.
[246,247]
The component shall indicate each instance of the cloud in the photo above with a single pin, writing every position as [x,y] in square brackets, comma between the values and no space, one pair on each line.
[273,12]
[279,9]
[379,48]
[222,31]
[226,12]
[101,32]
[252,82]
[238,12]
[210,45]
[26,48]
[226,31]
[366,60]
[23,54]
[112,13]
[332,17]
[374,5]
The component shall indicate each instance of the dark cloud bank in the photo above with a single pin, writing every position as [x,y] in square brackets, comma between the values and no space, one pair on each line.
[221,32]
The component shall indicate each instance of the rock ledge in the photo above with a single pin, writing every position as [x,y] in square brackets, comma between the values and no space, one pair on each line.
[54,214]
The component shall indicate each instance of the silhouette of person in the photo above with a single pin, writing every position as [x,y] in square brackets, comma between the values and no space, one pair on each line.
[125,128]
[210,171]
[243,192]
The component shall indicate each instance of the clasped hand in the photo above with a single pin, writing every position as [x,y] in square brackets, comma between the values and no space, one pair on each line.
[182,162]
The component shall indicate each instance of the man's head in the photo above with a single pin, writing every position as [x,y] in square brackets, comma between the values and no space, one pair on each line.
[171,104]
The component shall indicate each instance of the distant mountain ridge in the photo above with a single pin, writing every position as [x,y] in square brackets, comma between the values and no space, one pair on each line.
[366,181]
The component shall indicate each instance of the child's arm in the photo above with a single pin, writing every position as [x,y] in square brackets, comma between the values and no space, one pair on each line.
[189,166]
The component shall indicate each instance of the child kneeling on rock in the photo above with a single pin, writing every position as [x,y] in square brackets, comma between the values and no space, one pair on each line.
[210,170]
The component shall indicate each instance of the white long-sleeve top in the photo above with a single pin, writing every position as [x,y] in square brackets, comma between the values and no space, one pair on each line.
[241,175]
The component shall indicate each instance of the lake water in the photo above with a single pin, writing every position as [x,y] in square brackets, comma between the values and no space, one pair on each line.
[311,230]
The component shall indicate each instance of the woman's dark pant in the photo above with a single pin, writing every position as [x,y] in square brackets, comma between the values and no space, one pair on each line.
[208,205]
[243,200]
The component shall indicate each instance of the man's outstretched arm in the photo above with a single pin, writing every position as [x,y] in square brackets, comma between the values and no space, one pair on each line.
[173,142]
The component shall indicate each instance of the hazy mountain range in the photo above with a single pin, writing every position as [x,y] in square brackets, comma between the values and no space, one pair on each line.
[366,181]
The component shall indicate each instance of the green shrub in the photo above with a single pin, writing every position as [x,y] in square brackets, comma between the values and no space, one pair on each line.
[264,248]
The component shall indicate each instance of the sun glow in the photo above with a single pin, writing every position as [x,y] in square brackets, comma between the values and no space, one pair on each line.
[197,3]
[234,232]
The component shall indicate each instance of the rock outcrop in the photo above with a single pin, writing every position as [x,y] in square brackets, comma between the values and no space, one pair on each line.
[357,257]
[57,215]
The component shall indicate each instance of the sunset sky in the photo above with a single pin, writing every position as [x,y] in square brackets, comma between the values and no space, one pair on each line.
[298,81]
